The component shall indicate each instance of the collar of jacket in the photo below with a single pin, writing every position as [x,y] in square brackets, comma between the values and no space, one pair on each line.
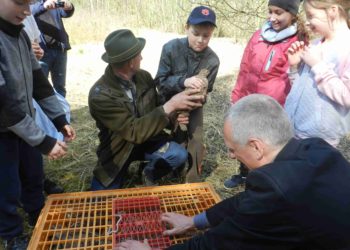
[272,36]
[9,28]
[288,151]
[116,78]
[115,81]
[299,147]
[195,55]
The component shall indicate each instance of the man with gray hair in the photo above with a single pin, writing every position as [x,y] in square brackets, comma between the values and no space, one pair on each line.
[297,193]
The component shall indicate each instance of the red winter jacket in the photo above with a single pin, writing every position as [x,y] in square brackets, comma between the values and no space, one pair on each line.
[263,69]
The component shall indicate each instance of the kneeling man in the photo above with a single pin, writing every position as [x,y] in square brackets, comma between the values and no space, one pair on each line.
[124,103]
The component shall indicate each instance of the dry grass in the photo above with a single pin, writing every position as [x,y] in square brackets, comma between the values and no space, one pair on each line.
[344,147]
[218,166]
[95,18]
[75,170]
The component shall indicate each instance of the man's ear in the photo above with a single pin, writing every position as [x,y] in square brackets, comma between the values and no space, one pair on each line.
[258,148]
[131,63]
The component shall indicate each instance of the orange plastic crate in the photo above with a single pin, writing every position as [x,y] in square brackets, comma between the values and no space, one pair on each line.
[84,220]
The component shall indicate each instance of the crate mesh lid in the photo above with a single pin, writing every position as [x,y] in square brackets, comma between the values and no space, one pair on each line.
[86,220]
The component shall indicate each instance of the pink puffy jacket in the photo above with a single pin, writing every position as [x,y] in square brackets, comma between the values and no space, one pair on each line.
[263,69]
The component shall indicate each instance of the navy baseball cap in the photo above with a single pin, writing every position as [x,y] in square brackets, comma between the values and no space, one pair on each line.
[202,14]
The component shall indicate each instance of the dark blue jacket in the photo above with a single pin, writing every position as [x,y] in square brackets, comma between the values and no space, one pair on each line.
[179,62]
[51,25]
[300,201]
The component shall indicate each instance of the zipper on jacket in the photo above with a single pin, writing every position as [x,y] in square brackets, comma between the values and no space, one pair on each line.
[268,64]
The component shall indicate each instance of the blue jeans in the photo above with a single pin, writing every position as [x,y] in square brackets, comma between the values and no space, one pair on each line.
[54,62]
[161,157]
[21,183]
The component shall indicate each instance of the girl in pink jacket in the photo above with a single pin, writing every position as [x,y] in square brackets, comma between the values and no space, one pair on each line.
[264,65]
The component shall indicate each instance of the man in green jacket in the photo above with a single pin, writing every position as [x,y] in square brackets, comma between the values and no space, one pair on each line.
[124,103]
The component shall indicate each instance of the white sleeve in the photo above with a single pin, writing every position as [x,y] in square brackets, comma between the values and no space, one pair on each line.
[31,28]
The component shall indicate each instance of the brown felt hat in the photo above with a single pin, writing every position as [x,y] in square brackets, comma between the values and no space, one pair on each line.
[121,46]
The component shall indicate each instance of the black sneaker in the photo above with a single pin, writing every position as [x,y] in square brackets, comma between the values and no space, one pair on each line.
[51,187]
[146,181]
[17,243]
[234,181]
[33,217]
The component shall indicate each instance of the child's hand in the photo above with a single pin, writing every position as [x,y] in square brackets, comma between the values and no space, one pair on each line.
[69,133]
[58,151]
[194,83]
[312,54]
[37,50]
[294,53]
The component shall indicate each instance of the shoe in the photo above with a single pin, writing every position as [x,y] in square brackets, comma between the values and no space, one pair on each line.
[234,181]
[147,181]
[17,243]
[156,169]
[33,217]
[51,187]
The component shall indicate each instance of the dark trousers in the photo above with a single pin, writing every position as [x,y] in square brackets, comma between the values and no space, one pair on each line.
[192,140]
[54,62]
[21,175]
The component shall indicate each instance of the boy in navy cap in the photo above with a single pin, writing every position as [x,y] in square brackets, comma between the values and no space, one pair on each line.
[181,61]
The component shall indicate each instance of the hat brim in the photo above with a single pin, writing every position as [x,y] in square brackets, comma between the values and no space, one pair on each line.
[131,54]
[200,21]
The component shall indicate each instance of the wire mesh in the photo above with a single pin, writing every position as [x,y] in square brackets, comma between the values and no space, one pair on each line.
[84,220]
